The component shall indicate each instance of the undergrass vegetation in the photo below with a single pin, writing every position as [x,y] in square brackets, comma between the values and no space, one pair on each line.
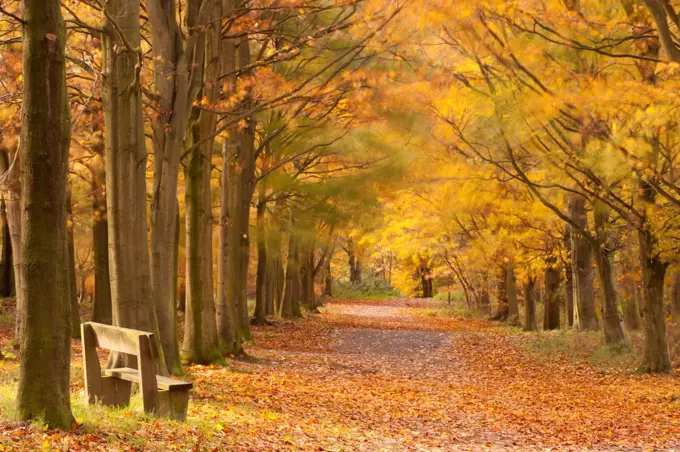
[369,288]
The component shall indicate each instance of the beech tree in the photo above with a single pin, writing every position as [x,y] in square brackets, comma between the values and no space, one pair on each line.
[45,135]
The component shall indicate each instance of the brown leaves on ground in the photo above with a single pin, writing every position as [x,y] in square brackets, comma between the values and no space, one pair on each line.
[377,376]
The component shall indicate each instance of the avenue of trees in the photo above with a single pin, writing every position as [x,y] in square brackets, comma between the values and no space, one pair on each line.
[185,155]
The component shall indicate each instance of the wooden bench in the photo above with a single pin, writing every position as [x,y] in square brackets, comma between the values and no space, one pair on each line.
[161,395]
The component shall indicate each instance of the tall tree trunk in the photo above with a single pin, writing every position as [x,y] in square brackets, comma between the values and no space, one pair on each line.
[656,357]
[675,296]
[6,282]
[100,245]
[262,281]
[614,331]
[226,304]
[12,164]
[201,344]
[503,309]
[45,135]
[307,265]
[178,68]
[275,280]
[530,305]
[511,291]
[227,318]
[328,276]
[75,308]
[353,261]
[631,307]
[131,292]
[585,317]
[569,279]
[241,186]
[291,298]
[551,318]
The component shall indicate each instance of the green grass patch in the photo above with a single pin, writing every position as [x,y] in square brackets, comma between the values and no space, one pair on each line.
[370,288]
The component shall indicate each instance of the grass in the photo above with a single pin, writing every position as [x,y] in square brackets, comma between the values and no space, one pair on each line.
[370,288]
[561,345]
[582,347]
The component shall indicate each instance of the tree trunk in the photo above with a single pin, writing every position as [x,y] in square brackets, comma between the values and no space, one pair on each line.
[241,186]
[551,318]
[45,349]
[100,244]
[226,304]
[328,276]
[569,280]
[530,305]
[503,311]
[178,68]
[13,183]
[291,298]
[75,309]
[631,307]
[307,265]
[614,332]
[675,296]
[131,293]
[585,317]
[353,261]
[511,292]
[200,329]
[656,357]
[6,282]
[262,283]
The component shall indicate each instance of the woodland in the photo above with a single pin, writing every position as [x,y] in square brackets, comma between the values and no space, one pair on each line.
[351,224]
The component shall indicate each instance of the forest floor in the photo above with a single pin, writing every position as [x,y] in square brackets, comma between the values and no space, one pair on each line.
[380,375]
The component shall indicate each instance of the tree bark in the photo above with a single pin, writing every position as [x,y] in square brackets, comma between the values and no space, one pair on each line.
[45,349]
[201,344]
[6,282]
[530,305]
[241,184]
[75,308]
[631,307]
[131,292]
[569,279]
[226,306]
[511,292]
[178,68]
[291,298]
[100,244]
[227,317]
[656,357]
[502,312]
[614,331]
[353,261]
[675,296]
[328,275]
[13,166]
[585,317]
[551,318]
[262,281]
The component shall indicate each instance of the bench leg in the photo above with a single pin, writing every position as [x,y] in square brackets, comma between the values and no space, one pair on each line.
[173,404]
[116,392]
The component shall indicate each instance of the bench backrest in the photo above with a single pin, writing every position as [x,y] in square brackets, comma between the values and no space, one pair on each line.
[123,340]
[117,339]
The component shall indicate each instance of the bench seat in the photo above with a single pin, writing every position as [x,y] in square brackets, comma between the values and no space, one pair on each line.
[132,375]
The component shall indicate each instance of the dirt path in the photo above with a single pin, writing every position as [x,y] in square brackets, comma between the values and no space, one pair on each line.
[409,382]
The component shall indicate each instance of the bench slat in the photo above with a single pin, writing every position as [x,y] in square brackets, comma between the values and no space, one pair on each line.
[118,339]
[129,374]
